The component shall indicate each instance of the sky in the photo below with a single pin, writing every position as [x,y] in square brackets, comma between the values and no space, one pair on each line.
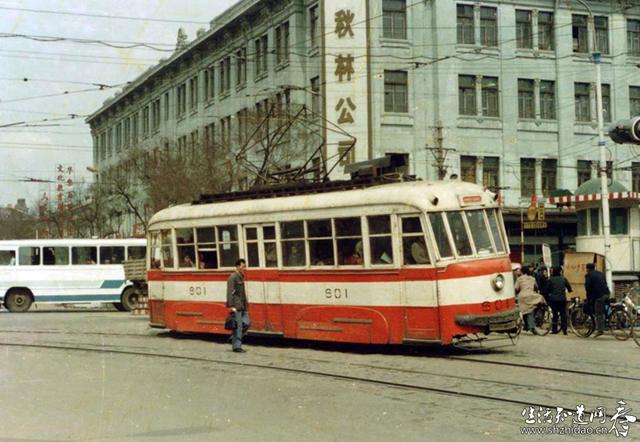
[68,75]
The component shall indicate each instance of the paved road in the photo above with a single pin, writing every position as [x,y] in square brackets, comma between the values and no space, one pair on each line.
[103,375]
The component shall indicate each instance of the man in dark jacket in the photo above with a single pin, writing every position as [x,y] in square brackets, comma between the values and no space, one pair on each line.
[237,302]
[595,284]
[557,287]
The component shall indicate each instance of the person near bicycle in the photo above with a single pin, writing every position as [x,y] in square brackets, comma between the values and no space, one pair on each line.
[528,299]
[557,287]
[598,293]
[542,281]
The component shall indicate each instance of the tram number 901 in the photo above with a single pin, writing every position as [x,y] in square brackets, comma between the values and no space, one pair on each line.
[336,293]
[197,291]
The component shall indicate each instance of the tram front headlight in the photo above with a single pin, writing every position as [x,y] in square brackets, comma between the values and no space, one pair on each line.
[498,283]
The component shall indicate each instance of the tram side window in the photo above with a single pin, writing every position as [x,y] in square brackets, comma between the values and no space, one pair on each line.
[7,258]
[55,256]
[228,245]
[414,247]
[206,244]
[380,239]
[440,234]
[84,255]
[111,255]
[155,251]
[320,241]
[459,232]
[479,232]
[349,241]
[270,246]
[29,256]
[251,240]
[186,248]
[293,245]
[136,252]
[495,229]
[167,249]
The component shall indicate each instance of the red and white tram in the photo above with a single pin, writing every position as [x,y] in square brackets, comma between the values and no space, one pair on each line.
[412,262]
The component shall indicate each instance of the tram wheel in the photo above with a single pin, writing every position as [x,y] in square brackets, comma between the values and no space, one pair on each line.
[128,300]
[18,301]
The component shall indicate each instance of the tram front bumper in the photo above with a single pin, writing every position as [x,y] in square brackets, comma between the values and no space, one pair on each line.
[497,322]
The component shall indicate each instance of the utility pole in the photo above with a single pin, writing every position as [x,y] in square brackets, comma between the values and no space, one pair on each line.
[440,152]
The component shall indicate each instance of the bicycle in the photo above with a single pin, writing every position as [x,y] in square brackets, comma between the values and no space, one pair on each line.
[619,318]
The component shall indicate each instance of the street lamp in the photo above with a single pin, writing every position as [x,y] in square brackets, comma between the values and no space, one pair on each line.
[595,54]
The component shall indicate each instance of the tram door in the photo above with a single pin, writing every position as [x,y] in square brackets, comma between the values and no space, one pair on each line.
[262,260]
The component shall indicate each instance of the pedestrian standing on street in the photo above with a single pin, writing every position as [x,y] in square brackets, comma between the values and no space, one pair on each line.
[557,287]
[542,280]
[528,299]
[237,302]
[598,293]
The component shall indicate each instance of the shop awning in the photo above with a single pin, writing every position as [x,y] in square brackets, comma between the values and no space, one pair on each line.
[572,199]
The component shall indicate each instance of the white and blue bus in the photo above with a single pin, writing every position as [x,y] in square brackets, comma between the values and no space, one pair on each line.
[67,271]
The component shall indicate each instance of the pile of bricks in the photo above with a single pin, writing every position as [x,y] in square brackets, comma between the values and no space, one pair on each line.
[142,306]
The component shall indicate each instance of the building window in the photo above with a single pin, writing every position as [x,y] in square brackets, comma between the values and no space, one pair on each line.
[601,25]
[134,127]
[118,137]
[182,99]
[491,173]
[282,43]
[488,26]
[582,101]
[584,171]
[527,177]
[155,115]
[193,93]
[635,177]
[545,31]
[526,106]
[396,95]
[209,83]
[490,104]
[314,20]
[633,37]
[225,75]
[548,100]
[225,131]
[262,44]
[241,66]
[634,100]
[126,132]
[580,34]
[315,96]
[619,221]
[606,102]
[595,221]
[210,134]
[394,19]
[195,141]
[468,168]
[242,117]
[466,32]
[167,106]
[467,95]
[145,121]
[549,173]
[524,29]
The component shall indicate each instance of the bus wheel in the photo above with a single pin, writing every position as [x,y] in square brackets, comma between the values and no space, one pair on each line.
[18,301]
[129,299]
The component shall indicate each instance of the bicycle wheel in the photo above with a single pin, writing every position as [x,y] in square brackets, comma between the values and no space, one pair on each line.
[581,323]
[620,324]
[542,317]
[635,333]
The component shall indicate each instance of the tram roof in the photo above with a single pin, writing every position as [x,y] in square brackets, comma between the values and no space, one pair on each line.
[417,194]
[73,242]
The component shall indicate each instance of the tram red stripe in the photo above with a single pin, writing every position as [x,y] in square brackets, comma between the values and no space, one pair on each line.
[453,271]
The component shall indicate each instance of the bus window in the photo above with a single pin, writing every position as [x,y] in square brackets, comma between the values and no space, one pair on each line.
[495,230]
[136,252]
[84,255]
[293,246]
[414,247]
[58,256]
[320,242]
[29,256]
[154,251]
[228,245]
[380,239]
[270,246]
[7,258]
[459,232]
[206,245]
[349,241]
[167,249]
[186,248]
[479,232]
[440,235]
[251,240]
[111,255]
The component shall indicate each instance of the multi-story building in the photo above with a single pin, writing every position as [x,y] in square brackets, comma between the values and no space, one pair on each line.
[497,92]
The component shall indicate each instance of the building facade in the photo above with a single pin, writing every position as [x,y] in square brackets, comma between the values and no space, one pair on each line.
[501,93]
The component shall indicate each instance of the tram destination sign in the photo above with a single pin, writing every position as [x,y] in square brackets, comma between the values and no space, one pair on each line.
[529,225]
